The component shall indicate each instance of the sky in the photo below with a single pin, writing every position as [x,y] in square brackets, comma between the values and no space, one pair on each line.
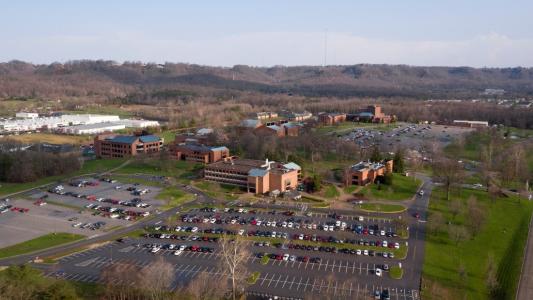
[478,33]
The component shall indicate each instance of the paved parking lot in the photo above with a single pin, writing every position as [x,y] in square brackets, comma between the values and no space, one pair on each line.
[61,212]
[339,275]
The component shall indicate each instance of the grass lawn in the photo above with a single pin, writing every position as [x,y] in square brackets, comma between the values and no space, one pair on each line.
[173,197]
[91,166]
[396,272]
[402,188]
[183,171]
[51,138]
[377,207]
[502,237]
[331,191]
[265,259]
[219,191]
[42,242]
[253,278]
[345,127]
[350,189]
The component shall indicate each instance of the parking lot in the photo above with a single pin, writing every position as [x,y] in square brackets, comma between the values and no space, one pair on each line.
[40,212]
[407,136]
[297,267]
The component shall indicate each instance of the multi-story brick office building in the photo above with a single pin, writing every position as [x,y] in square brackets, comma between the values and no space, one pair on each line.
[364,173]
[331,118]
[256,176]
[198,153]
[115,146]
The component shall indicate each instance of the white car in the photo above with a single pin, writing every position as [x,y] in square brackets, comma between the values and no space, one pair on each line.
[284,224]
[301,236]
[241,231]
[182,248]
[286,256]
[385,254]
[382,232]
[178,252]
[361,219]
[385,244]
[155,249]
[421,193]
[365,252]
[212,220]
[268,224]
[171,247]
[397,245]
[259,222]
[292,258]
[194,229]
[76,225]
[379,272]
[290,224]
[358,252]
[273,234]
[326,228]
[331,228]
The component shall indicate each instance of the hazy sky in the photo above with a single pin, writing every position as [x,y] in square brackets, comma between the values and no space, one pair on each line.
[264,33]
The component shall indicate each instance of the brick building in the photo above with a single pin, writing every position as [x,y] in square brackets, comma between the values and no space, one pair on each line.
[256,176]
[331,118]
[113,146]
[198,153]
[364,173]
[373,114]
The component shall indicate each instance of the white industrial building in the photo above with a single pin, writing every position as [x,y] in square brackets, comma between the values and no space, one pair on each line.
[79,123]
[92,128]
[26,115]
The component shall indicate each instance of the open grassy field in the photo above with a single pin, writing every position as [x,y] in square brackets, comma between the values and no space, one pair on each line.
[501,239]
[378,207]
[42,242]
[91,166]
[348,126]
[183,171]
[51,138]
[173,197]
[402,188]
[219,191]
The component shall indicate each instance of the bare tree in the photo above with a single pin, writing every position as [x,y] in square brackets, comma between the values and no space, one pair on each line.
[121,281]
[476,215]
[458,233]
[157,278]
[234,252]
[436,222]
[202,287]
[449,172]
[492,278]
[455,207]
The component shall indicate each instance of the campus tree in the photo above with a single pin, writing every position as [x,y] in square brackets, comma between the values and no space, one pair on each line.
[234,254]
[398,161]
[449,172]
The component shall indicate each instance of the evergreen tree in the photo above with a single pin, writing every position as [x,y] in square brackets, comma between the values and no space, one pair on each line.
[376,155]
[398,163]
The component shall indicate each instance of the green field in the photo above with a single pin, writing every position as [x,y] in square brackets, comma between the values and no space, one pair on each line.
[331,191]
[402,188]
[219,191]
[501,240]
[42,242]
[396,272]
[378,207]
[181,170]
[89,167]
[173,197]
[345,127]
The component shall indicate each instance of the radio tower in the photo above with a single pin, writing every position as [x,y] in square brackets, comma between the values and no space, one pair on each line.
[326,47]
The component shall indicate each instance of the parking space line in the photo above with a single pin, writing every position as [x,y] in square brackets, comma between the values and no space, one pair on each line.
[284,281]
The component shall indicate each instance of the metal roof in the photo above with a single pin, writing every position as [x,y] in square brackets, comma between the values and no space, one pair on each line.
[258,172]
[149,138]
[292,166]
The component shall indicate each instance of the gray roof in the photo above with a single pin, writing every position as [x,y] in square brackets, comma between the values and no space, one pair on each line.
[257,172]
[250,123]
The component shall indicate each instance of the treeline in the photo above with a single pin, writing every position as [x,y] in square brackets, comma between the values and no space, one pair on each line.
[110,80]
[20,166]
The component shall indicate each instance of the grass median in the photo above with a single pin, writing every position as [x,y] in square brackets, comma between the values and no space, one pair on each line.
[382,208]
[253,278]
[396,272]
[40,243]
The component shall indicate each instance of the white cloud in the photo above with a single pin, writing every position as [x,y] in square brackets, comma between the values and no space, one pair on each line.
[273,48]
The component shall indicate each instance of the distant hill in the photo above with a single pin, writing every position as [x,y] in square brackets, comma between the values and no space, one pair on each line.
[110,80]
